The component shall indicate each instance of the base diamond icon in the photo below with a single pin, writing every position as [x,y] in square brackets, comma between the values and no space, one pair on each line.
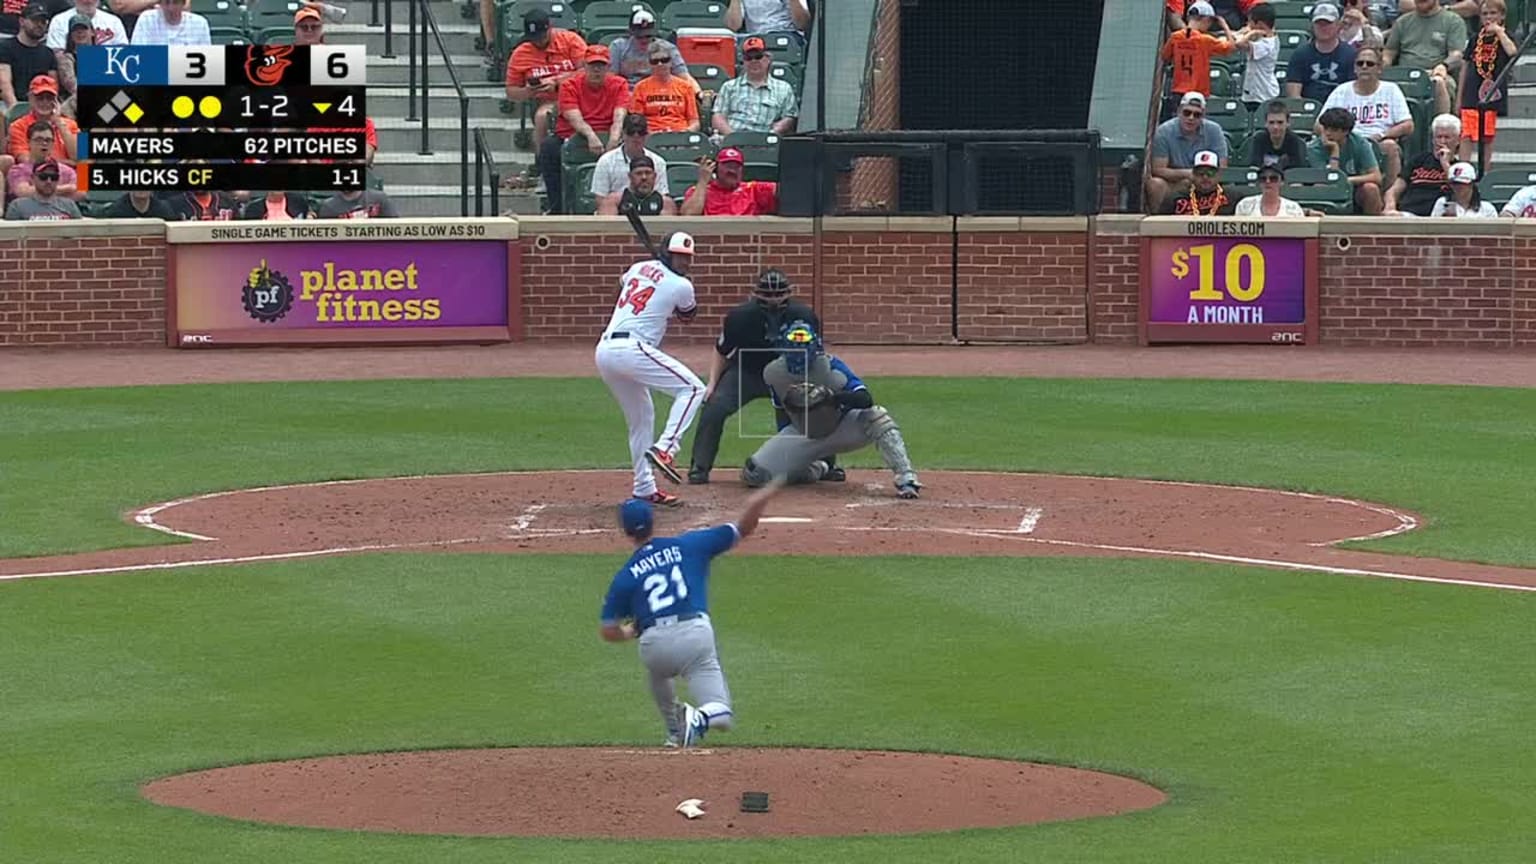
[121,103]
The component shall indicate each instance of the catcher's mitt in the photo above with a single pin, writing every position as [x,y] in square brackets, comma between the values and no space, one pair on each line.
[807,396]
[812,409]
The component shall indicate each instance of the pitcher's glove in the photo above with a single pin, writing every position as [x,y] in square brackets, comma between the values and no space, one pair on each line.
[807,397]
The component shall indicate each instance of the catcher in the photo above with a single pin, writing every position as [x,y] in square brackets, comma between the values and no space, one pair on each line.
[826,410]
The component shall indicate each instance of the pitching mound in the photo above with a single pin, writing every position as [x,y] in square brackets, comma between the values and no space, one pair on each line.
[604,792]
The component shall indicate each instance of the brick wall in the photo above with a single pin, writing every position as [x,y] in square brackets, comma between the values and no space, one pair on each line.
[1015,286]
[100,284]
[1383,283]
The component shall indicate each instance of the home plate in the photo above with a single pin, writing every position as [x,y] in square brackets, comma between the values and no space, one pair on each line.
[790,519]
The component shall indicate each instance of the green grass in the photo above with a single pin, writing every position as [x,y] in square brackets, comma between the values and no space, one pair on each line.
[1308,717]
[76,459]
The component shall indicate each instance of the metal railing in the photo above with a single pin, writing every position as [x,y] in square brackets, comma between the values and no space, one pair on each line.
[486,159]
[417,37]
[1483,103]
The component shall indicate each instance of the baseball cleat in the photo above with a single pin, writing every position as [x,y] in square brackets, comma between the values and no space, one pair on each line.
[671,743]
[662,499]
[695,724]
[698,477]
[907,491]
[835,474]
[661,460]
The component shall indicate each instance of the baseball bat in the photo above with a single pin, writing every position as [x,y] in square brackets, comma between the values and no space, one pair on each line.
[643,233]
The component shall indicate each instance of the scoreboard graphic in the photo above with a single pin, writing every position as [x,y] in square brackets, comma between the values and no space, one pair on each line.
[222,117]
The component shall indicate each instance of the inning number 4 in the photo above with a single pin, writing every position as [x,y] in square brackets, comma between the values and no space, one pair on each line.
[636,297]
[663,591]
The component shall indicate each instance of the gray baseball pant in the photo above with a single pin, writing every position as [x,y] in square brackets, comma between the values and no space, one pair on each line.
[686,649]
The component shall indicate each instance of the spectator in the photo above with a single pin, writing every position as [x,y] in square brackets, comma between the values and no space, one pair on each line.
[1278,146]
[39,152]
[1190,52]
[308,25]
[1355,27]
[1487,55]
[1340,148]
[720,190]
[545,59]
[669,103]
[169,23]
[641,195]
[203,206]
[768,16]
[1424,177]
[630,55]
[1464,201]
[1321,65]
[1379,108]
[44,103]
[612,175]
[591,104]
[1174,145]
[1269,201]
[358,204]
[1258,41]
[755,101]
[139,205]
[1431,38]
[1522,205]
[1174,20]
[26,57]
[277,205]
[80,33]
[43,204]
[106,28]
[1204,195]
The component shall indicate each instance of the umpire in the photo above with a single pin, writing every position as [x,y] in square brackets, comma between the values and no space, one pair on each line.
[746,344]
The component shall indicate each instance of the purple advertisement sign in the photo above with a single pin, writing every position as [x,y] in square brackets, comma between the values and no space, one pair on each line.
[358,291]
[1217,281]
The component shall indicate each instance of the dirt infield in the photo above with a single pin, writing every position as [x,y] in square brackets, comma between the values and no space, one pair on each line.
[604,792]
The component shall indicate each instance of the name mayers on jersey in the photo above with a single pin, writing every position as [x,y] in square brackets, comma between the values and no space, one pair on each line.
[649,294]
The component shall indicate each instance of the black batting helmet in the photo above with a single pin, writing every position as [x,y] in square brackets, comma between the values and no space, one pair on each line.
[773,284]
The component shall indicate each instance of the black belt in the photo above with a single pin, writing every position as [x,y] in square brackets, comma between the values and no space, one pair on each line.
[619,334]
[675,619]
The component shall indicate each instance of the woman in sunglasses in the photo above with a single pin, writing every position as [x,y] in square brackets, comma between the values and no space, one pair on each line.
[1269,201]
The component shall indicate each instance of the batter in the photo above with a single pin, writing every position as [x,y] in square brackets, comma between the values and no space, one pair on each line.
[632,364]
[664,588]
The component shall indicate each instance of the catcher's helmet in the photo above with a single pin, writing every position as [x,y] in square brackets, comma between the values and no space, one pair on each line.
[799,344]
[773,284]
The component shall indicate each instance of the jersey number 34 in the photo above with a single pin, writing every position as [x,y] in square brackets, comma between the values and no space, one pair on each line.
[662,591]
[636,297]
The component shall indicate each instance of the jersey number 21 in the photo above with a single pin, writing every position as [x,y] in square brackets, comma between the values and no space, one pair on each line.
[662,592]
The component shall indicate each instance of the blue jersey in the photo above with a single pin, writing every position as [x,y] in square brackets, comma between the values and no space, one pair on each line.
[667,576]
[837,365]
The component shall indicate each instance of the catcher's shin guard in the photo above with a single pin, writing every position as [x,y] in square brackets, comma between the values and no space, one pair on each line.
[881,428]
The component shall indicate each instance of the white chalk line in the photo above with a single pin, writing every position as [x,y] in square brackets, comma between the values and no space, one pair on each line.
[529,515]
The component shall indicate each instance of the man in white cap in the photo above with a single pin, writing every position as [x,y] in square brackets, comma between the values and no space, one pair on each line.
[630,55]
[630,360]
[1325,62]
[1174,146]
[1204,196]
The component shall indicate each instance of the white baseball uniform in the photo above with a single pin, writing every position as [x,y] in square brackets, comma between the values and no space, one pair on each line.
[632,364]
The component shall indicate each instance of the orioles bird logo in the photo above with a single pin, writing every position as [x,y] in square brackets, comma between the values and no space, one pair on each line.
[265,64]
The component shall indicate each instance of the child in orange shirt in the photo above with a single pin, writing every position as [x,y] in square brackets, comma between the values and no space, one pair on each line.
[1190,52]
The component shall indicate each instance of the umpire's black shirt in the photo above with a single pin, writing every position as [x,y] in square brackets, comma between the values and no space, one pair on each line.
[751,325]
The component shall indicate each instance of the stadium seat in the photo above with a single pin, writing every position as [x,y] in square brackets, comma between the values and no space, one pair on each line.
[275,35]
[711,78]
[1500,184]
[602,17]
[579,200]
[1290,40]
[1320,189]
[785,48]
[680,147]
[221,13]
[266,14]
[229,35]
[1231,115]
[693,13]
[787,72]
[680,177]
[755,146]
[1224,83]
[16,111]
[765,171]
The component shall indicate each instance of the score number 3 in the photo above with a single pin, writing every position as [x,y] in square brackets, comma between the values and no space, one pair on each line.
[1205,255]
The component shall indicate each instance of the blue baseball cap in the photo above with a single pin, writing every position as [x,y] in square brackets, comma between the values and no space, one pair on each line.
[635,517]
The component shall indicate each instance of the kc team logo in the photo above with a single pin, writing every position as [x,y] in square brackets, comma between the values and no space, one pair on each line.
[265,64]
[267,294]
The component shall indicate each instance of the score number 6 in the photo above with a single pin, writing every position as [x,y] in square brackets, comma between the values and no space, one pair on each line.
[1205,255]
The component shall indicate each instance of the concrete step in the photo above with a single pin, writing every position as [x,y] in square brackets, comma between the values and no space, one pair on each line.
[396,71]
[398,135]
[1522,101]
[1517,133]
[443,107]
[446,12]
[458,35]
[409,168]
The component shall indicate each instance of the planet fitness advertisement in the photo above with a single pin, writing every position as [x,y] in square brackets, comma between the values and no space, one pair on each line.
[354,291]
